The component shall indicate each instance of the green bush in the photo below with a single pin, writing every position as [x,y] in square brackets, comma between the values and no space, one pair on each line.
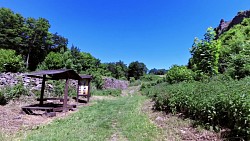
[14,92]
[178,74]
[59,86]
[149,78]
[218,103]
[10,62]
[57,60]
[107,92]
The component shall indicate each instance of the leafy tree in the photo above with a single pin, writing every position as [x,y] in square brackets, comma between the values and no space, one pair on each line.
[78,59]
[10,62]
[136,69]
[205,54]
[29,37]
[59,43]
[178,74]
[89,62]
[11,30]
[38,40]
[57,60]
[118,70]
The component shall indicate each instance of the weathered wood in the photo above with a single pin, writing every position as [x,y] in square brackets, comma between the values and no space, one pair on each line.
[28,109]
[52,98]
[77,96]
[65,95]
[42,90]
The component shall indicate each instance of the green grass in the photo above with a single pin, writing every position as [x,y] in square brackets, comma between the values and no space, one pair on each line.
[108,92]
[100,121]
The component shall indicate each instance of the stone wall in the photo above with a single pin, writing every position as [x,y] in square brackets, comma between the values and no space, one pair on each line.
[36,83]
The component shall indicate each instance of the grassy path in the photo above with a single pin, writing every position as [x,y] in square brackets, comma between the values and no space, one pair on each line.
[117,119]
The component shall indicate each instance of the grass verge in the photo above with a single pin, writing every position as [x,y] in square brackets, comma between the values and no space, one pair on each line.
[101,121]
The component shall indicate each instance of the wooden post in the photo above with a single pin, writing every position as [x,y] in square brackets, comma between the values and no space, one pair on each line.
[89,94]
[42,90]
[77,91]
[65,96]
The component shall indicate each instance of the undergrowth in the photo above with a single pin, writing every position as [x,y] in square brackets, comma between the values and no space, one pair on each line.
[217,103]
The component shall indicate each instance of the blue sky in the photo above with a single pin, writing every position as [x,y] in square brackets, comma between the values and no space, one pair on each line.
[158,33]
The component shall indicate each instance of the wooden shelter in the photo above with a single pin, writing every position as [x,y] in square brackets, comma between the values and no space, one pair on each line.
[53,75]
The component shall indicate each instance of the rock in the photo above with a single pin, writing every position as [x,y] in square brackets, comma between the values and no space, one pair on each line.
[111,83]
[226,25]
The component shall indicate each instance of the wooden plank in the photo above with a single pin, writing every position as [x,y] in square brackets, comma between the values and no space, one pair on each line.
[37,108]
[65,95]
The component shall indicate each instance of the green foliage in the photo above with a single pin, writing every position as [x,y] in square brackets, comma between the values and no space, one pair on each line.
[13,92]
[137,69]
[10,62]
[57,61]
[149,78]
[29,37]
[220,102]
[118,70]
[11,29]
[178,74]
[107,92]
[59,86]
[235,55]
[157,71]
[205,54]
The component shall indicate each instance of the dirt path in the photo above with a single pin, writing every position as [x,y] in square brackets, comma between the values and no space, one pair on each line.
[173,127]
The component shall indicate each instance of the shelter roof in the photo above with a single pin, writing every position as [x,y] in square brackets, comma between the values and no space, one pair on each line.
[56,74]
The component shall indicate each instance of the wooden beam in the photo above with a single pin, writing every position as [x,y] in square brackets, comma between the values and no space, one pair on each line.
[65,96]
[77,91]
[42,90]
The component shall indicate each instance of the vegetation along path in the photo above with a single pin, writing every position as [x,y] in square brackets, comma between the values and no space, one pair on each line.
[115,119]
[125,118]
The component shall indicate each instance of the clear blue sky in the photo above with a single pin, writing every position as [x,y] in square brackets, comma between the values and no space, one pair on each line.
[158,33]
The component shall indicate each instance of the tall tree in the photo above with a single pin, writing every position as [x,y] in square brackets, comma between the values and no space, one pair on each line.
[11,30]
[38,40]
[205,54]
[137,69]
[118,69]
[59,43]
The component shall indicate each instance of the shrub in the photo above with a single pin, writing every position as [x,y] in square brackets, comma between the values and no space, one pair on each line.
[178,74]
[219,103]
[148,78]
[10,62]
[59,86]
[14,92]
